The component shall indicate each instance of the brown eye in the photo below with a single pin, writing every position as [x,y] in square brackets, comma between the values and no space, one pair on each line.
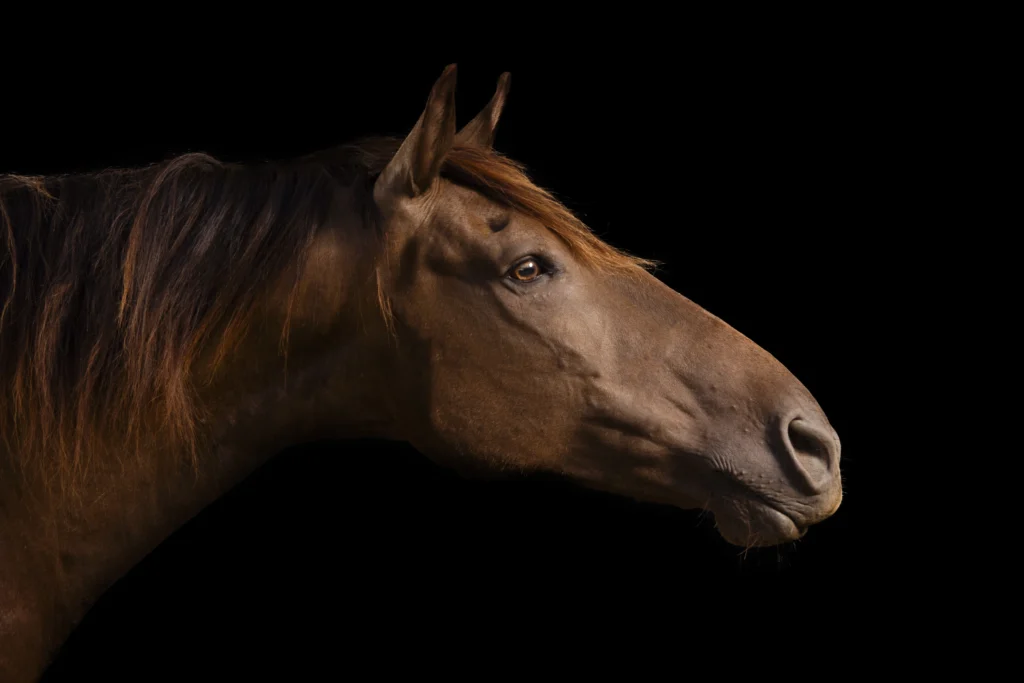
[526,271]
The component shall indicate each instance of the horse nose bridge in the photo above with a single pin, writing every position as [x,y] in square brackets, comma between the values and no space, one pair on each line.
[726,370]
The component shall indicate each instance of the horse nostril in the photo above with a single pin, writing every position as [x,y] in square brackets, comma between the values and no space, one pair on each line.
[814,451]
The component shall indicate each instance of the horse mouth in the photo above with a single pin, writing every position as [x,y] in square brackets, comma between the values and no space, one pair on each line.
[751,523]
[785,523]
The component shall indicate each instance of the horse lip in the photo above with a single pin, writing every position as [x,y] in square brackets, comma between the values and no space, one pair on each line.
[785,519]
[782,516]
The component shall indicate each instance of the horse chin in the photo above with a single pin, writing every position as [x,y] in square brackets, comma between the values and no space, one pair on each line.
[753,524]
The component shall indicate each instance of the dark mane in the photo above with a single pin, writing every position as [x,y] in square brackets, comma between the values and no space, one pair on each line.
[112,283]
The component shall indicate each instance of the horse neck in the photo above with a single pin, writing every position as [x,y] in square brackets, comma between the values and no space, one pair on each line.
[55,561]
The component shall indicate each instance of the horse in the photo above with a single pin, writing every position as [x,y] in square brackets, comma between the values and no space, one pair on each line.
[166,330]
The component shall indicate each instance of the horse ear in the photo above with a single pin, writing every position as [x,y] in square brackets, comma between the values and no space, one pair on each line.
[480,131]
[418,161]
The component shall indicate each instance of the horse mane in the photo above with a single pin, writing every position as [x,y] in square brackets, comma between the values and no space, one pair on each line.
[112,283]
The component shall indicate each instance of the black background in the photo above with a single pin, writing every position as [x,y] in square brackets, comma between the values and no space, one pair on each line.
[757,165]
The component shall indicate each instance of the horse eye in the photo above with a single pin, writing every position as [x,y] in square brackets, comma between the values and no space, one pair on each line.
[526,270]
